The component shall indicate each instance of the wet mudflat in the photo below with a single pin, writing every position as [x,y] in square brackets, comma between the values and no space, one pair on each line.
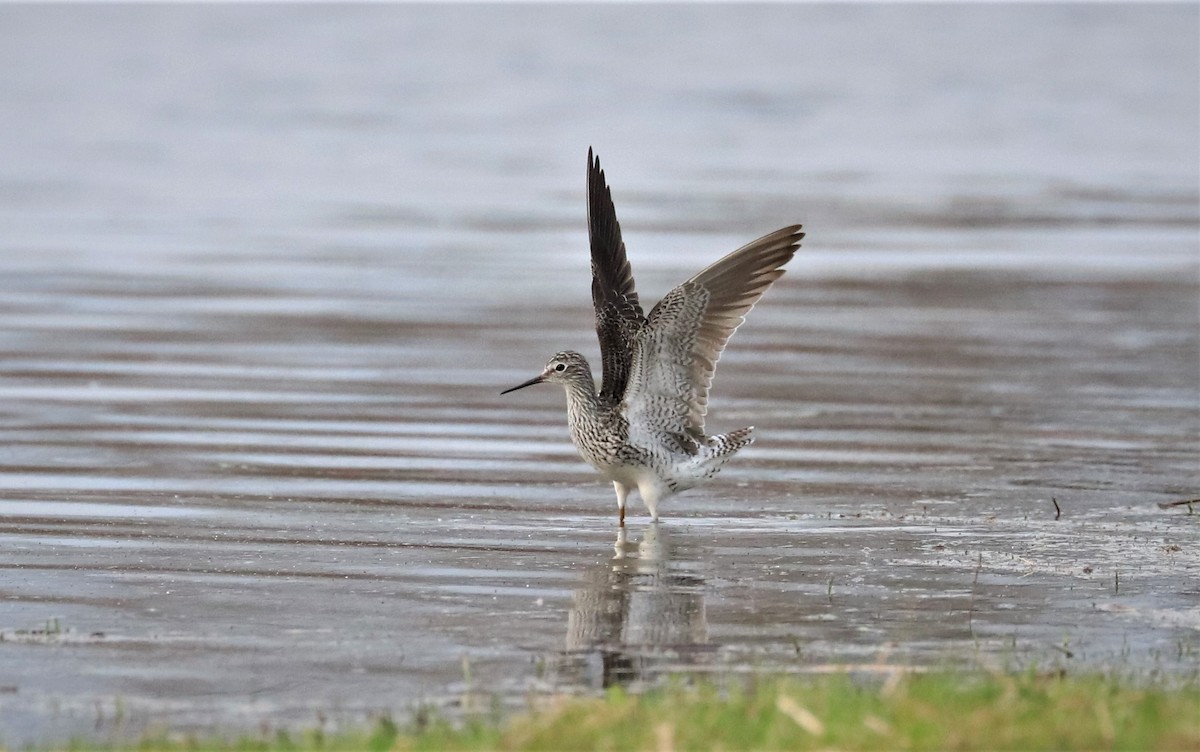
[269,529]
[255,470]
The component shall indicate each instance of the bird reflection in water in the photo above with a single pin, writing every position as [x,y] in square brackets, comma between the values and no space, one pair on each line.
[639,614]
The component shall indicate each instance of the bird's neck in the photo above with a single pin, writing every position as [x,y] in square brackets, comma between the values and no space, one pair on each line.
[587,414]
[582,397]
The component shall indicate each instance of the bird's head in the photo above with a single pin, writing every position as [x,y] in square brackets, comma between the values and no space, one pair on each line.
[565,368]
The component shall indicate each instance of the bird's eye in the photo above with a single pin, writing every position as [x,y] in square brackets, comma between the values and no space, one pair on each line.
[561,367]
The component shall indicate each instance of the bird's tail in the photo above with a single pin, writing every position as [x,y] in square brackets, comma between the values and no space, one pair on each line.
[726,445]
[714,453]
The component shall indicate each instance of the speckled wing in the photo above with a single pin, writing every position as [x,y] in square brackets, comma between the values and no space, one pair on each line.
[618,314]
[677,350]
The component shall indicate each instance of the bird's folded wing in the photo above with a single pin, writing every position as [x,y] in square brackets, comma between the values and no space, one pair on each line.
[677,350]
[618,314]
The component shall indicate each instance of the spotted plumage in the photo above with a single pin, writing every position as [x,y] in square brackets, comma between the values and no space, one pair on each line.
[644,427]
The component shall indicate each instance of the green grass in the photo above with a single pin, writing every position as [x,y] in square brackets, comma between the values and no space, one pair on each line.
[949,711]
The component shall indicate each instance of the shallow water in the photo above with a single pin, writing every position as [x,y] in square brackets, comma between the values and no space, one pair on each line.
[263,272]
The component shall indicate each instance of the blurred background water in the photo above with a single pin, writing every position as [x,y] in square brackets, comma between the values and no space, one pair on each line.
[263,270]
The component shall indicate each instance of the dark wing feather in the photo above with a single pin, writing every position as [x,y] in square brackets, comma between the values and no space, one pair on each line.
[618,314]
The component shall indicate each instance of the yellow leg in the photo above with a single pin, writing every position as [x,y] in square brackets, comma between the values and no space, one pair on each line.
[622,495]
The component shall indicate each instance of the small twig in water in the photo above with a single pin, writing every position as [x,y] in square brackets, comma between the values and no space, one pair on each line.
[1057,511]
[1181,503]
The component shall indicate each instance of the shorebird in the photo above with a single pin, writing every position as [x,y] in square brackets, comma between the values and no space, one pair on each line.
[644,428]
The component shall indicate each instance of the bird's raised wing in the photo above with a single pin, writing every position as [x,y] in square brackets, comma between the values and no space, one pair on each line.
[677,350]
[618,313]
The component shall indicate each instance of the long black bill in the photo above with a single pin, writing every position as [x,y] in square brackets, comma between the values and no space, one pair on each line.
[531,382]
